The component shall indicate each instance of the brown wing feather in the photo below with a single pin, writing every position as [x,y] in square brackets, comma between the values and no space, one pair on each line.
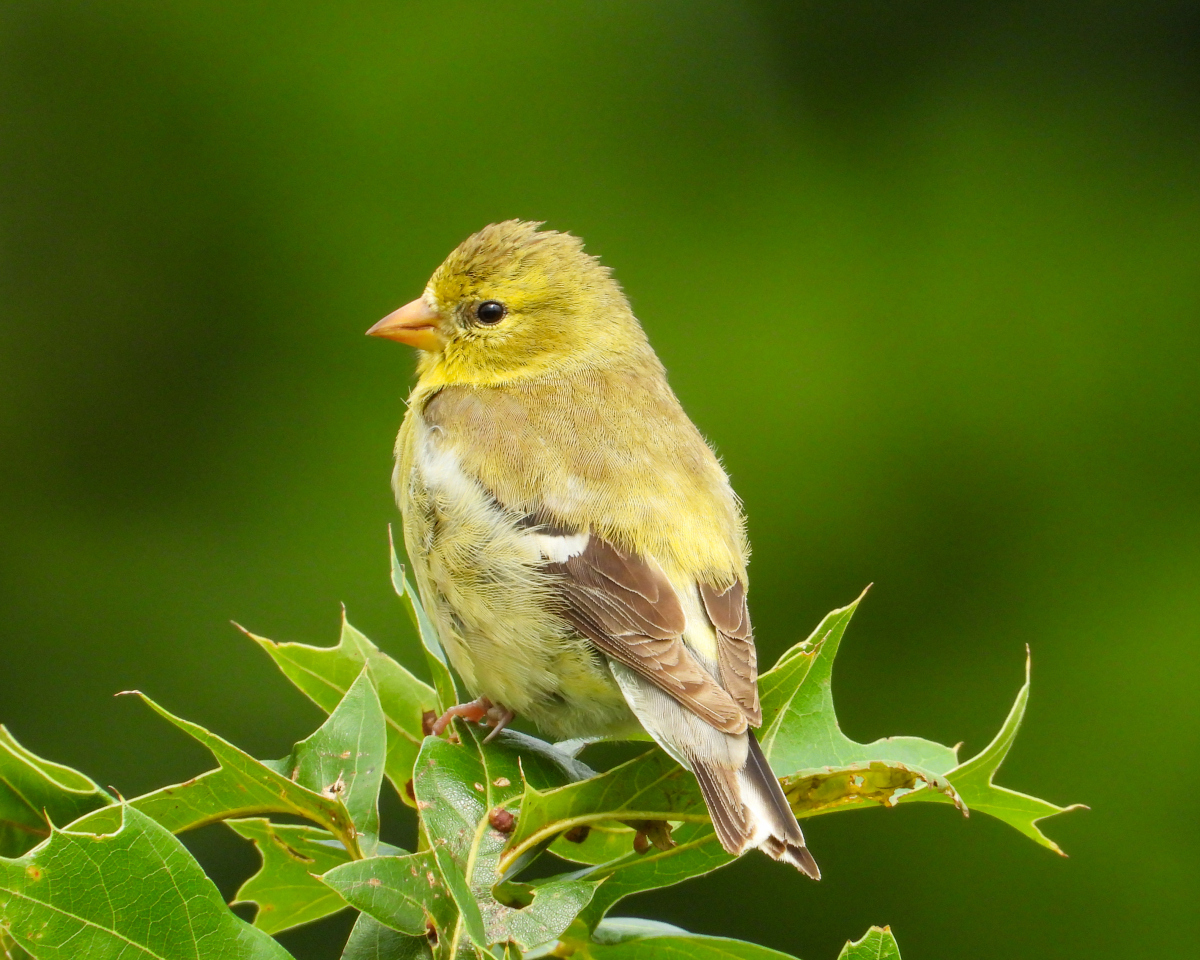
[628,608]
[737,659]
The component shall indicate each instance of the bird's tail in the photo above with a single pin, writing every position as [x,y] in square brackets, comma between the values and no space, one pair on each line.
[748,809]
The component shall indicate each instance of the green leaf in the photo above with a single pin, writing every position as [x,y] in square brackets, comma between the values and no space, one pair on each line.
[371,940]
[457,787]
[284,888]
[405,893]
[136,893]
[345,758]
[9,949]
[827,771]
[439,666]
[633,939]
[651,786]
[800,732]
[324,674]
[33,790]
[696,852]
[973,781]
[241,787]
[876,944]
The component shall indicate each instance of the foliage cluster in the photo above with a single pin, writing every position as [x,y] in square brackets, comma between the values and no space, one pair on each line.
[85,874]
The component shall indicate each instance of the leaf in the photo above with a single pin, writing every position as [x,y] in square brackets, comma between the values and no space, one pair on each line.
[651,786]
[136,893]
[284,888]
[371,940]
[827,771]
[344,758]
[32,790]
[405,893]
[973,781]
[696,852]
[9,949]
[457,787]
[439,666]
[876,944]
[242,786]
[800,732]
[633,939]
[324,674]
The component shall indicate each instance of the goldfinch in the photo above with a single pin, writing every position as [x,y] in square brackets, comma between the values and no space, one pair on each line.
[575,541]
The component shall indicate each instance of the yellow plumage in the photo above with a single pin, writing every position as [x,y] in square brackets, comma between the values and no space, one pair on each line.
[573,537]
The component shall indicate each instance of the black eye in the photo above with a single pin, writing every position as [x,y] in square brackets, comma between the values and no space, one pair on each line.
[490,311]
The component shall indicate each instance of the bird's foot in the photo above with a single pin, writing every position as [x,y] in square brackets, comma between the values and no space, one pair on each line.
[476,711]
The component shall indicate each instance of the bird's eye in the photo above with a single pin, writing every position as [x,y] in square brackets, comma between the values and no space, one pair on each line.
[490,311]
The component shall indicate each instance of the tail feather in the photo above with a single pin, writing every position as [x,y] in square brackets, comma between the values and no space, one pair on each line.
[748,808]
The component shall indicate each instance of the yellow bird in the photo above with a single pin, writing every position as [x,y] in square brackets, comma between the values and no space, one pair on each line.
[575,541]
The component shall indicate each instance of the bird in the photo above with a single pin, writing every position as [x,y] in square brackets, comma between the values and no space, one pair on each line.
[575,540]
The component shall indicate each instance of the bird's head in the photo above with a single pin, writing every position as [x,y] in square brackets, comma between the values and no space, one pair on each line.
[513,302]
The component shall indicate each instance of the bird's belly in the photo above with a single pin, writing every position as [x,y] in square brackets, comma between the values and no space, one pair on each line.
[479,573]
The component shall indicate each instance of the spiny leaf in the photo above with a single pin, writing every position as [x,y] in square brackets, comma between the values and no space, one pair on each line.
[371,940]
[345,757]
[435,656]
[241,787]
[324,674]
[284,888]
[800,732]
[459,787]
[136,893]
[876,944]
[32,790]
[973,781]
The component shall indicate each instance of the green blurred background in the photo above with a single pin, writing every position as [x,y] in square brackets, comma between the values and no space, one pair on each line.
[927,274]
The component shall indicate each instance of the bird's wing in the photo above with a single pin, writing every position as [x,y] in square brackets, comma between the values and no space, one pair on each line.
[627,607]
[737,660]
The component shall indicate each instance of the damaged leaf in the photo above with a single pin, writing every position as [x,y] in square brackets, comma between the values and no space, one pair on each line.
[240,787]
[325,674]
[876,944]
[284,888]
[457,785]
[973,781]
[33,790]
[134,892]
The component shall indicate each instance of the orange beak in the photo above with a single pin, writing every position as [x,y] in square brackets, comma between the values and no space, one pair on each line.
[414,323]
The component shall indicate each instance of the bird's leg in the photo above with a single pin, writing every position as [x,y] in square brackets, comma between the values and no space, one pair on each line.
[472,712]
[500,718]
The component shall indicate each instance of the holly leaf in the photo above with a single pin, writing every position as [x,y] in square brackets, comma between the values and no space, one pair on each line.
[467,793]
[371,940]
[876,944]
[325,674]
[35,793]
[136,892]
[435,656]
[284,888]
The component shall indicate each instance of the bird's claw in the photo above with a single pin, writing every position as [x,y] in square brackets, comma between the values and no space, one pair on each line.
[476,711]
